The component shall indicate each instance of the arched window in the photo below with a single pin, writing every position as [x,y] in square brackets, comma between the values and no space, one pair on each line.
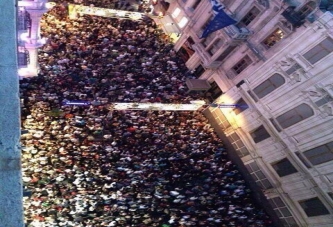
[295,115]
[269,85]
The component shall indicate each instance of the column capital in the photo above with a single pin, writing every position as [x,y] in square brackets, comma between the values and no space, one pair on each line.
[37,12]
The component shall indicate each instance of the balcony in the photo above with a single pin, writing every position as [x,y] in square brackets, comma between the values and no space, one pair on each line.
[200,49]
[237,33]
[293,17]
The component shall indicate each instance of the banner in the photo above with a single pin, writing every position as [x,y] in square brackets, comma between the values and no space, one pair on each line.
[220,20]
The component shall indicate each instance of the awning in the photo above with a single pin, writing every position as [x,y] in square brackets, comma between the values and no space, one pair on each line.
[197,85]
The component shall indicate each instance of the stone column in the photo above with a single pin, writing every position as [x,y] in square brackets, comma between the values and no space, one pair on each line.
[35,16]
[34,41]
[11,208]
[33,66]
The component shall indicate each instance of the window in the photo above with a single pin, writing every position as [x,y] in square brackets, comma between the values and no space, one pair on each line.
[313,207]
[242,64]
[176,13]
[324,100]
[196,3]
[220,118]
[282,212]
[225,53]
[259,134]
[217,44]
[307,9]
[249,17]
[284,167]
[269,85]
[293,69]
[321,154]
[258,176]
[214,92]
[198,71]
[320,51]
[295,115]
[183,22]
[273,38]
[238,145]
[241,105]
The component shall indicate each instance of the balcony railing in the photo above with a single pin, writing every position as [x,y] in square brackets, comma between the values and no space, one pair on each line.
[22,57]
[23,20]
[237,33]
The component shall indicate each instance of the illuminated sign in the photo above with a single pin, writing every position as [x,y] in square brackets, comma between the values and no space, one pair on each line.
[75,10]
[76,103]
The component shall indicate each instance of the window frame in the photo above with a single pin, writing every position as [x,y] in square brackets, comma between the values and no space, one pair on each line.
[273,35]
[242,64]
[307,9]
[258,176]
[286,121]
[238,145]
[318,55]
[261,90]
[282,211]
[320,154]
[216,45]
[195,4]
[250,14]
[260,134]
[312,210]
[241,106]
[284,167]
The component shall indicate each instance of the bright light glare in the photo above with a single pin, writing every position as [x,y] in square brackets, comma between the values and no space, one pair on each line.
[50,5]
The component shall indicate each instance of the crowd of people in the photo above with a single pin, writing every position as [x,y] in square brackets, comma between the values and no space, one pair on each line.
[94,166]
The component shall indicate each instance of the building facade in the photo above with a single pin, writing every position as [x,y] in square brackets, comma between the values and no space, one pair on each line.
[276,65]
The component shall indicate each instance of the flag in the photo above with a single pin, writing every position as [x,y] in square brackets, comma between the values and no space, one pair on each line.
[220,20]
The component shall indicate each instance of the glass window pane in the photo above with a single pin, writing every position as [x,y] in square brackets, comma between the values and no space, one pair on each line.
[254,166]
[254,177]
[295,115]
[277,80]
[244,151]
[239,144]
[291,221]
[278,201]
[319,51]
[316,151]
[327,44]
[321,159]
[266,184]
[260,175]
[259,134]
[284,168]
[304,110]
[313,207]
[285,212]
[318,56]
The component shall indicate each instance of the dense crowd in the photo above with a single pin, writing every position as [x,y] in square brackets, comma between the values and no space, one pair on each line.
[93,166]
